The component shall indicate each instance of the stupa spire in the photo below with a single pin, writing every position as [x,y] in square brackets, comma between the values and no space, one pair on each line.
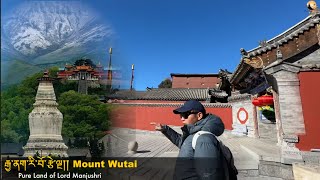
[45,123]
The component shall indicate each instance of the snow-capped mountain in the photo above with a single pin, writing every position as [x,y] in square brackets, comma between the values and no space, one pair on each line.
[39,28]
[39,34]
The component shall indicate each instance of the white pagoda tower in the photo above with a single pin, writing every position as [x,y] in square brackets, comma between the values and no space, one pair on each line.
[45,123]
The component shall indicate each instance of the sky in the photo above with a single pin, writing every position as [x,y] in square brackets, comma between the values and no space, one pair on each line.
[161,37]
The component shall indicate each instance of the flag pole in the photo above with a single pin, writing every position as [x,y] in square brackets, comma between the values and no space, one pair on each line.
[110,69]
[132,76]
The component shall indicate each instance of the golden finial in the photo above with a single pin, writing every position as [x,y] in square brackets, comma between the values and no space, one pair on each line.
[312,6]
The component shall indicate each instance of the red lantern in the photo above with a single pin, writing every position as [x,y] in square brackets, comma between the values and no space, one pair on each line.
[263,100]
[266,100]
[256,102]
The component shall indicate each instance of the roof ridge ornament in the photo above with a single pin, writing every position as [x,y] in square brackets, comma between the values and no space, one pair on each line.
[312,6]
[244,53]
[263,43]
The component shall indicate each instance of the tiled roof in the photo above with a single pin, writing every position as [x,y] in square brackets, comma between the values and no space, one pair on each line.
[175,105]
[241,68]
[218,93]
[291,33]
[239,97]
[12,148]
[127,94]
[310,67]
[76,152]
[169,94]
[196,75]
[177,94]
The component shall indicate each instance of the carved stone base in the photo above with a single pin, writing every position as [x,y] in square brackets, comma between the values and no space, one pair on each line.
[45,148]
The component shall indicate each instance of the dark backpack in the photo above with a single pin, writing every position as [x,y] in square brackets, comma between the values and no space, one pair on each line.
[231,171]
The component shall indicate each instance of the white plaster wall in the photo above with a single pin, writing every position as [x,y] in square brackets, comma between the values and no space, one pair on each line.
[237,125]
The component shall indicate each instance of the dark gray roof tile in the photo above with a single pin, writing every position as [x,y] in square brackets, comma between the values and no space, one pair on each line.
[169,94]
[292,32]
[11,148]
[76,152]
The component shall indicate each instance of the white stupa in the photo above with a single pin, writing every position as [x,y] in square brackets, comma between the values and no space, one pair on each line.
[45,123]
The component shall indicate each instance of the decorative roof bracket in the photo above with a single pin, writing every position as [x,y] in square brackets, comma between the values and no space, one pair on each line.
[255,62]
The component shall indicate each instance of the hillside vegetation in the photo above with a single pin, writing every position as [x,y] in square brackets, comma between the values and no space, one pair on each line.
[84,115]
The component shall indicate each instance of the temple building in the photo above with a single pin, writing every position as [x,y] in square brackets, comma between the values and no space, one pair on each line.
[275,92]
[207,88]
[45,123]
[269,103]
[86,75]
[142,107]
[89,75]
[271,95]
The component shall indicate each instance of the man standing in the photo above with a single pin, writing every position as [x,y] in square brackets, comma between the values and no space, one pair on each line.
[204,160]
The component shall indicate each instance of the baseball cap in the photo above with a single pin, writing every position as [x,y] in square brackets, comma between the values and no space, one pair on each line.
[190,105]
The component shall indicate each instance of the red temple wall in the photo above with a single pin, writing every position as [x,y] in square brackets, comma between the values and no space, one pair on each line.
[194,82]
[310,98]
[140,117]
[155,101]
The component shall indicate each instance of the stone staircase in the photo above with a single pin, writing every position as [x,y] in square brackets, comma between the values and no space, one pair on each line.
[82,86]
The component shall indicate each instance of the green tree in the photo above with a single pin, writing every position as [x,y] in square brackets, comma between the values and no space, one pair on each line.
[16,104]
[86,62]
[53,72]
[84,115]
[167,83]
[7,133]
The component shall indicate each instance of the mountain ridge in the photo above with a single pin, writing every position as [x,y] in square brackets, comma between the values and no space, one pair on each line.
[51,32]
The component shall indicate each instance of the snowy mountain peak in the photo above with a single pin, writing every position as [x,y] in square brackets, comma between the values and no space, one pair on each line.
[40,27]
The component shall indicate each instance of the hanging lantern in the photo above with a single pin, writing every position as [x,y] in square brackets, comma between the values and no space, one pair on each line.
[265,100]
[256,102]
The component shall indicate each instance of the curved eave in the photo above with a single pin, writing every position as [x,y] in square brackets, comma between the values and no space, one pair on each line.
[291,33]
[283,38]
[241,70]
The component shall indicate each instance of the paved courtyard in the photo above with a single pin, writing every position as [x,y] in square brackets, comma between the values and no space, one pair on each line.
[151,144]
